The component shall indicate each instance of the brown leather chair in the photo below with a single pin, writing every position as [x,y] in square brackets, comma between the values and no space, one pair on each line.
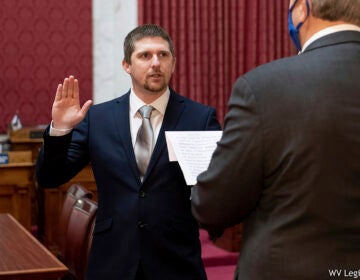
[79,236]
[74,193]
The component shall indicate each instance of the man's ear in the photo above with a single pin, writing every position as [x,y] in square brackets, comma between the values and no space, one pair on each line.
[302,11]
[126,66]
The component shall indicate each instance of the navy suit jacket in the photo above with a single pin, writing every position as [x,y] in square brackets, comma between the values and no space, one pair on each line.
[288,165]
[147,222]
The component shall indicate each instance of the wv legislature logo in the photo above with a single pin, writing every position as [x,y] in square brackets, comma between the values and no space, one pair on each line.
[344,273]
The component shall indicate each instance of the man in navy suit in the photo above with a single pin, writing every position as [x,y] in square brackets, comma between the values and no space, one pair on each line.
[144,227]
[288,163]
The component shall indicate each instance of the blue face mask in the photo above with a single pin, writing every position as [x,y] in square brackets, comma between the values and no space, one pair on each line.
[294,31]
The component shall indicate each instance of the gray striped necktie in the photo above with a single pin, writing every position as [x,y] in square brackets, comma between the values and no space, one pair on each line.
[144,140]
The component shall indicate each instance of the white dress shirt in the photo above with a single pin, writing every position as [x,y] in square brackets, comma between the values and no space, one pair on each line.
[157,115]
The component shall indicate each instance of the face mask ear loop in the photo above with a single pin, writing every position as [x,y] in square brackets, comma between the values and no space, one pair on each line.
[299,25]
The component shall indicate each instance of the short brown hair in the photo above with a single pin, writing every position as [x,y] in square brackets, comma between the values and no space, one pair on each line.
[140,32]
[334,10]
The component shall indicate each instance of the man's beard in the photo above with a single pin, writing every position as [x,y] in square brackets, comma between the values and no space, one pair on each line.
[155,89]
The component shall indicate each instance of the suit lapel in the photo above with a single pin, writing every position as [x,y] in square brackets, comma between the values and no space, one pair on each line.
[173,112]
[123,130]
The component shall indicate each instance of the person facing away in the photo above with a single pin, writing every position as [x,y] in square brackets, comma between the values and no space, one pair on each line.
[144,226]
[288,163]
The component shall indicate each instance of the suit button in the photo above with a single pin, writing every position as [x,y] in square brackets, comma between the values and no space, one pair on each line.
[141,224]
[142,193]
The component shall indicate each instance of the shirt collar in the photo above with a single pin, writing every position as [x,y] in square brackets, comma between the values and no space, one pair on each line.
[159,104]
[330,30]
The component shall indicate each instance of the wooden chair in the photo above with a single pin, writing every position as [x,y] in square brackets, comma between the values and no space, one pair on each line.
[79,236]
[75,192]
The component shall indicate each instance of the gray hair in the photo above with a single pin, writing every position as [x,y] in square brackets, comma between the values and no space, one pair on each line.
[337,10]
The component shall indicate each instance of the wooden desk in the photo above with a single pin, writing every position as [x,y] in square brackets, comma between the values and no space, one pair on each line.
[46,205]
[32,145]
[17,191]
[22,256]
[24,140]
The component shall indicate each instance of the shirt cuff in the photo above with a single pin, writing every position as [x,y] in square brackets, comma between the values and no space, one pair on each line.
[58,132]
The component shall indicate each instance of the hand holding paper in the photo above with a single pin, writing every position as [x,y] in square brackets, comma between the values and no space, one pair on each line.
[193,151]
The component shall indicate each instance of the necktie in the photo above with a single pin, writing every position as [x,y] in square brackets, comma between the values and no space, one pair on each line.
[144,140]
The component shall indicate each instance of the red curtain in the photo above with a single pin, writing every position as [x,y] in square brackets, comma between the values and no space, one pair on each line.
[217,41]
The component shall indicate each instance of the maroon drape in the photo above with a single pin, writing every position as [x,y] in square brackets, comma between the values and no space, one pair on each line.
[216,41]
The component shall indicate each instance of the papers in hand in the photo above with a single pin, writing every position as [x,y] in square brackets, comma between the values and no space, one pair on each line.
[193,151]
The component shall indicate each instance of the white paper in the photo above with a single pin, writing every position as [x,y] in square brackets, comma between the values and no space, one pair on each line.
[193,151]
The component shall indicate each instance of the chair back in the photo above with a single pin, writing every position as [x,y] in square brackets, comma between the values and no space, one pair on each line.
[74,193]
[79,236]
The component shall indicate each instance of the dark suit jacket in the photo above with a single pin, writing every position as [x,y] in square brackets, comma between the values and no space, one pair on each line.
[149,222]
[288,164]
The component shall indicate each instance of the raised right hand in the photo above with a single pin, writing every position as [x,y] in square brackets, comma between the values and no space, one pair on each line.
[66,110]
